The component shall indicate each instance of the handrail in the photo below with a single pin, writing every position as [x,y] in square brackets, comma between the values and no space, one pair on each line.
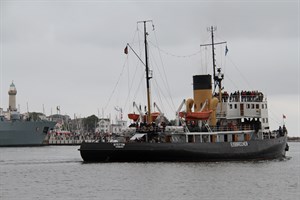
[242,98]
[232,128]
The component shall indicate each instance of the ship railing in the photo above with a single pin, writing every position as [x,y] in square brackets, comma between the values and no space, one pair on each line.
[231,128]
[243,98]
[221,114]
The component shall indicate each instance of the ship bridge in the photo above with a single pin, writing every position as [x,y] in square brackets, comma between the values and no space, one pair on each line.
[244,107]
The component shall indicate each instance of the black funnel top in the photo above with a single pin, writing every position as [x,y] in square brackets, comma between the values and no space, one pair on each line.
[201,82]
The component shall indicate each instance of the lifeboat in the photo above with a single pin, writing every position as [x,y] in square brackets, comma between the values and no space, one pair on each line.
[133,116]
[154,115]
[204,115]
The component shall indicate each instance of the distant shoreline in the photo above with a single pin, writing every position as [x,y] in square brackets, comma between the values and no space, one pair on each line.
[293,139]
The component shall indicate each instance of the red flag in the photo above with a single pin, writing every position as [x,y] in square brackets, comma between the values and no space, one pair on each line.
[283,116]
[126,50]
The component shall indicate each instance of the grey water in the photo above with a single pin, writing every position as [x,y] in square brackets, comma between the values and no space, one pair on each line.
[57,172]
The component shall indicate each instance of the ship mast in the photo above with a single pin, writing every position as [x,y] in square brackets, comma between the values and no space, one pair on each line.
[213,55]
[149,119]
[218,77]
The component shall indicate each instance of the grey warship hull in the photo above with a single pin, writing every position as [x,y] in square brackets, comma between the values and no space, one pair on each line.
[186,152]
[24,133]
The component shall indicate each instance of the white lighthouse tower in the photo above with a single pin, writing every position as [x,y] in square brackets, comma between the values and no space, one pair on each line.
[12,97]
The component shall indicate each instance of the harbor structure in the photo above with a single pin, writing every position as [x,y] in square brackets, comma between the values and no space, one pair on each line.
[12,92]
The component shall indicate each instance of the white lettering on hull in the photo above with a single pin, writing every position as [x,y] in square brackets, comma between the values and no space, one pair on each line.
[238,144]
[119,145]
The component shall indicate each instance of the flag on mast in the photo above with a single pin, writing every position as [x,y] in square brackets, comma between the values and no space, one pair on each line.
[126,50]
[226,50]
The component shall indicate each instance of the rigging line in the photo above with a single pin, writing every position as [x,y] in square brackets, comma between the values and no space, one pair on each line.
[113,91]
[136,54]
[221,56]
[274,120]
[217,37]
[236,87]
[126,62]
[139,40]
[137,65]
[224,68]
[137,90]
[159,90]
[139,85]
[164,71]
[166,86]
[161,102]
[277,120]
[132,83]
[204,64]
[178,56]
[246,81]
[206,59]
[129,85]
[201,62]
[159,93]
[164,79]
[128,77]
[128,71]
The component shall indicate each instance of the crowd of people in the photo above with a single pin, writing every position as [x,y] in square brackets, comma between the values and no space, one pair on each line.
[54,136]
[243,96]
[153,127]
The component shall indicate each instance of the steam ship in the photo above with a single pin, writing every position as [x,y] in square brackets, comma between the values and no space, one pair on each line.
[215,126]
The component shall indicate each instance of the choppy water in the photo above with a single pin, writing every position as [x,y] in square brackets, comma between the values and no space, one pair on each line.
[57,172]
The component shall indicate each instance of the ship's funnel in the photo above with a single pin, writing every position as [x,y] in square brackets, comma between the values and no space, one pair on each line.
[202,91]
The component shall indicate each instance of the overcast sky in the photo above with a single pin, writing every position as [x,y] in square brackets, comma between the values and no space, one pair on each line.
[70,53]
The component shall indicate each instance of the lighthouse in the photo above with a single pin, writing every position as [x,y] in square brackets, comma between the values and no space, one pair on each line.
[12,97]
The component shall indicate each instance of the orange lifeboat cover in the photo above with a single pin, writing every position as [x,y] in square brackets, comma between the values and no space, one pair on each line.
[204,115]
[133,116]
[154,115]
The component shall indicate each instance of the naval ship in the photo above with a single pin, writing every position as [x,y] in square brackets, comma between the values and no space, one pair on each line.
[19,130]
[215,126]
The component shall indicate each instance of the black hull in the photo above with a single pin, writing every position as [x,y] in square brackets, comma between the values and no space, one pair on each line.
[184,152]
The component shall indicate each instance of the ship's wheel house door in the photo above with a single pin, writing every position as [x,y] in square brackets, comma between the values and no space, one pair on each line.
[242,109]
